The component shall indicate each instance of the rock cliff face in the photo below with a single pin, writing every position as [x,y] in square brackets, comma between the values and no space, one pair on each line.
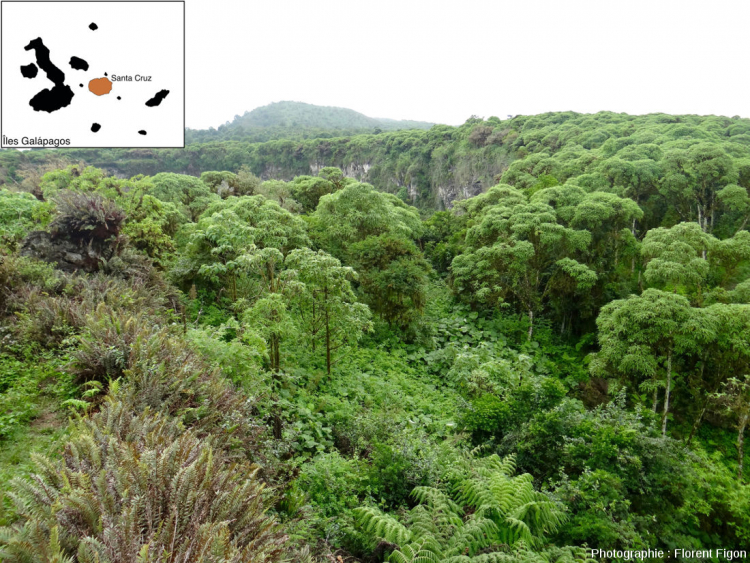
[440,190]
[444,190]
[358,171]
[431,169]
[69,255]
[450,193]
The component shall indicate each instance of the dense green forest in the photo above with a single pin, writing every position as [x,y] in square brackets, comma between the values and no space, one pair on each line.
[509,341]
[428,168]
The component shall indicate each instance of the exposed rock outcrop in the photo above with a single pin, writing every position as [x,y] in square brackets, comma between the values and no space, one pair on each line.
[69,255]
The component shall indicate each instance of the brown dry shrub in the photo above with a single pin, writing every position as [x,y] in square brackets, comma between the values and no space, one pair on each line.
[45,306]
[141,488]
[86,216]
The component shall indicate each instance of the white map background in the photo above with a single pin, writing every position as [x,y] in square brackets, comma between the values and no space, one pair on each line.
[132,38]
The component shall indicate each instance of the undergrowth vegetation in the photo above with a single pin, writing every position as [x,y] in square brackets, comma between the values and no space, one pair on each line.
[229,369]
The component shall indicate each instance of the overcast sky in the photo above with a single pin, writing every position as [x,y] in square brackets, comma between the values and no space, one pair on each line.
[443,61]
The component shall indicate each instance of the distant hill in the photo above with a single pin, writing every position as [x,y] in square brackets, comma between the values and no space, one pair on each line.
[297,120]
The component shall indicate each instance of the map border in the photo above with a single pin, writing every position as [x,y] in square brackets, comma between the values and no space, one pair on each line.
[184,70]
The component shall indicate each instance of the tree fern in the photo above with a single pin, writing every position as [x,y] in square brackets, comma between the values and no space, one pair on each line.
[507,517]
[477,533]
[382,525]
[519,511]
[423,551]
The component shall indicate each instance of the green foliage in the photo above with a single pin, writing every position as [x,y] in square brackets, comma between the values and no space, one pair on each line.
[735,397]
[327,307]
[519,252]
[20,213]
[358,211]
[614,463]
[608,151]
[602,284]
[271,226]
[443,239]
[74,178]
[228,183]
[239,361]
[296,120]
[492,416]
[23,385]
[504,510]
[104,346]
[640,336]
[280,192]
[308,190]
[223,246]
[270,317]
[687,260]
[150,223]
[189,194]
[393,277]
[335,486]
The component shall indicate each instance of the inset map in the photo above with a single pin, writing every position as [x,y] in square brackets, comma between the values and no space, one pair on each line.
[93,74]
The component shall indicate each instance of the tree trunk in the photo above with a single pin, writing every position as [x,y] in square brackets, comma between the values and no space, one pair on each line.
[744,224]
[704,226]
[666,394]
[656,397]
[313,324]
[698,420]
[741,442]
[275,355]
[277,426]
[531,324]
[328,345]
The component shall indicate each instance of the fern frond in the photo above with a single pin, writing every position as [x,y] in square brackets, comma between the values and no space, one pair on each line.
[382,525]
[476,534]
[421,552]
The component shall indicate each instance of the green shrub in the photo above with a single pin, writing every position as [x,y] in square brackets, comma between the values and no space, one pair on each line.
[239,361]
[17,271]
[104,349]
[335,486]
[51,307]
[22,383]
[487,416]
[20,213]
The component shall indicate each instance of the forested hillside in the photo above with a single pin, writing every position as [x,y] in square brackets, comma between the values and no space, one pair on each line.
[296,120]
[267,352]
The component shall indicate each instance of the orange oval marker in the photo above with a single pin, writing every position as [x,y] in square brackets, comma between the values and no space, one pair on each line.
[100,86]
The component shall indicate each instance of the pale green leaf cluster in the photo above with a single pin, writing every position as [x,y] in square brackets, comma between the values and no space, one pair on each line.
[506,515]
